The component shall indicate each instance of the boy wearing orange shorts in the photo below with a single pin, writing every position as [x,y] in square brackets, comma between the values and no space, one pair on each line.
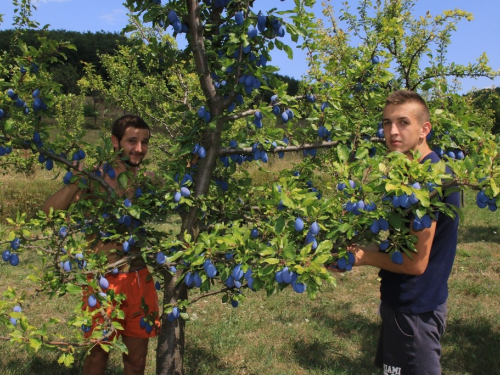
[130,138]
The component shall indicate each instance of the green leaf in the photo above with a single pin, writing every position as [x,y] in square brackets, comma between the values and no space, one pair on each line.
[343,153]
[35,343]
[41,331]
[309,201]
[427,85]
[116,324]
[68,361]
[391,187]
[199,260]
[344,227]
[267,270]
[81,279]
[271,261]
[494,187]
[123,180]
[120,314]
[288,51]
[420,213]
[395,220]
[406,189]
[267,251]
[23,322]
[361,153]
[8,126]
[305,250]
[280,224]
[289,252]
[321,259]
[60,360]
[134,212]
[73,289]
[121,346]
[471,162]
[324,246]
[9,293]
[423,197]
[287,202]
[16,334]
[174,257]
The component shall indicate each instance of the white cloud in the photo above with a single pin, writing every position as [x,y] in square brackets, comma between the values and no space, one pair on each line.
[116,16]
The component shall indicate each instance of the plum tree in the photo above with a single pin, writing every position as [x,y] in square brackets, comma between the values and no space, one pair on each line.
[239,233]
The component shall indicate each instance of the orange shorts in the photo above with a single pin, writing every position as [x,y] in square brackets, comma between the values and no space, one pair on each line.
[138,286]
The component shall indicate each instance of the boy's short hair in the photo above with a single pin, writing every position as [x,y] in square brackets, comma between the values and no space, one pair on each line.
[121,124]
[407,96]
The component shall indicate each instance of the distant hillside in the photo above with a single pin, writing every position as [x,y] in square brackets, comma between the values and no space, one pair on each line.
[88,46]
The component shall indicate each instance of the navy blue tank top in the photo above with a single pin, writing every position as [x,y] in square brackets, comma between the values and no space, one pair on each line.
[423,293]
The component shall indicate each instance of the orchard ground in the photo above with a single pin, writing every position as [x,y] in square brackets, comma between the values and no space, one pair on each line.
[288,334]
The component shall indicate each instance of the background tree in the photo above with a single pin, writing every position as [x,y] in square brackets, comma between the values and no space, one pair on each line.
[487,102]
[238,233]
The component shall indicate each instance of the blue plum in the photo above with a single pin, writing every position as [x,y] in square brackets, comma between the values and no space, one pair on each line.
[397,257]
[104,283]
[299,224]
[384,245]
[161,258]
[314,229]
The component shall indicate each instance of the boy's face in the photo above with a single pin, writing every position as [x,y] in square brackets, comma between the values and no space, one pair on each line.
[404,128]
[134,145]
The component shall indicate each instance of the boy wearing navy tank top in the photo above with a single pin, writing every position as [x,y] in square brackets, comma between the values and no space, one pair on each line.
[414,293]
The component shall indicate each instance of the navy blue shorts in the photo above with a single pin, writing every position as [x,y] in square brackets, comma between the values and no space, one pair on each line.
[409,344]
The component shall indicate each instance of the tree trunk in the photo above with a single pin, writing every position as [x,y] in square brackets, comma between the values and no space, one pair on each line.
[170,348]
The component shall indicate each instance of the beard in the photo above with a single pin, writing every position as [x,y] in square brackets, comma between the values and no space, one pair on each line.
[132,164]
[129,161]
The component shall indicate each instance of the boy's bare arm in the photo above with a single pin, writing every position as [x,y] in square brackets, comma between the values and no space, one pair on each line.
[62,199]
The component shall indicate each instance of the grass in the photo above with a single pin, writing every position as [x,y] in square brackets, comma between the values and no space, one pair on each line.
[19,193]
[288,333]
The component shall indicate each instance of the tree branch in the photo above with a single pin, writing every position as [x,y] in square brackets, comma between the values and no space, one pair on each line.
[198,48]
[205,295]
[305,146]
[70,164]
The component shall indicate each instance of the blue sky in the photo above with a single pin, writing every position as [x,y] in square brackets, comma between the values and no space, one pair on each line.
[468,42]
